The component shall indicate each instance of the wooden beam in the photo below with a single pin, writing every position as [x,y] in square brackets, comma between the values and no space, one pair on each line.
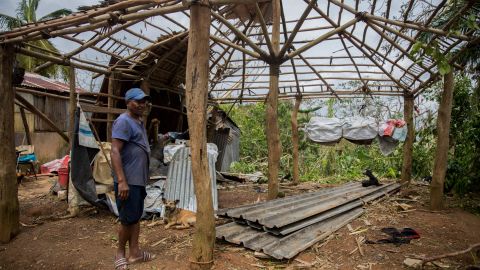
[98,109]
[408,103]
[72,105]
[25,126]
[239,34]
[42,116]
[9,208]
[441,151]
[263,25]
[196,93]
[235,46]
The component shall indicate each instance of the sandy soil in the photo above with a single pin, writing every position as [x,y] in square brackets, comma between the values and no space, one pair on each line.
[89,241]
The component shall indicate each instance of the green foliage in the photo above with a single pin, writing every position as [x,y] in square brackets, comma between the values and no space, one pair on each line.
[344,161]
[27,13]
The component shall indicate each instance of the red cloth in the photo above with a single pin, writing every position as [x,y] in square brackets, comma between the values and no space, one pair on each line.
[391,125]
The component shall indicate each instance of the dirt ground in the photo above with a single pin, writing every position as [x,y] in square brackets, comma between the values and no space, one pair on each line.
[89,241]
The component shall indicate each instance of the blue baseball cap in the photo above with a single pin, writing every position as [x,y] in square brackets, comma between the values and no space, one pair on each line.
[136,94]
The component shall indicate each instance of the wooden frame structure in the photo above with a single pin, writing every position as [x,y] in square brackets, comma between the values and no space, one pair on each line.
[258,51]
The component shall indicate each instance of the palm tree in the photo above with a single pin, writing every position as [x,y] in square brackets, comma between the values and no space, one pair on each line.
[27,13]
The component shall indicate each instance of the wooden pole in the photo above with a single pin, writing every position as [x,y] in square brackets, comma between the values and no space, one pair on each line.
[145,86]
[441,152]
[294,121]
[25,126]
[112,85]
[9,210]
[196,93]
[72,105]
[272,131]
[408,144]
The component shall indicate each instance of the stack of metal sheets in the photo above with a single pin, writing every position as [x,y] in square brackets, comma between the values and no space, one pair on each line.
[284,227]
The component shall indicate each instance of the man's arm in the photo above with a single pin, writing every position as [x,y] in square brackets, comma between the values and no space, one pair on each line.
[117,146]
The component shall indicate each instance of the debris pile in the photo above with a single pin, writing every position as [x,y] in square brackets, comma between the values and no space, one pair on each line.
[284,227]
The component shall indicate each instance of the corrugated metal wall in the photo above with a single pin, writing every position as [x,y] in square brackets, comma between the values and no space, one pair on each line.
[180,181]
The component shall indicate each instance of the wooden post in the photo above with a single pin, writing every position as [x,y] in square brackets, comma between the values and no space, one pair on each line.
[408,102]
[441,152]
[294,121]
[273,137]
[145,86]
[111,85]
[9,211]
[196,94]
[25,126]
[72,105]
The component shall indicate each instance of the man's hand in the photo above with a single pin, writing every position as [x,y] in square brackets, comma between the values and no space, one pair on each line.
[123,190]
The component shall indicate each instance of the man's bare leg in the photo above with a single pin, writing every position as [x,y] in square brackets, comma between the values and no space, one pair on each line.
[124,233]
[133,241]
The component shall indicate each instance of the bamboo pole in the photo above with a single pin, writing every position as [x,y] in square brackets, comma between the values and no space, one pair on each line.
[235,46]
[9,209]
[300,21]
[272,130]
[72,105]
[239,34]
[263,25]
[44,117]
[196,100]
[295,139]
[441,152]
[322,38]
[408,103]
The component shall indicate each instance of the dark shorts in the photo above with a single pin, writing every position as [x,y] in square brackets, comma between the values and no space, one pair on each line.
[130,211]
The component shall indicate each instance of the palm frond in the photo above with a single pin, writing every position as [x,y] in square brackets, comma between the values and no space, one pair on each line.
[56,14]
[22,10]
[8,22]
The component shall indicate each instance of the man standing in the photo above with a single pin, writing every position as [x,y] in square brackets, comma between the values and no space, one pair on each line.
[130,159]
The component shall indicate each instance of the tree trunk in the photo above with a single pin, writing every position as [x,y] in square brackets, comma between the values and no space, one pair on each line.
[408,102]
[196,101]
[441,152]
[72,105]
[9,212]
[296,170]
[272,132]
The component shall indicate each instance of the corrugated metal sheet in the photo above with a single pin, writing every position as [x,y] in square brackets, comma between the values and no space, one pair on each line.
[180,181]
[283,212]
[294,228]
[40,82]
[285,247]
[221,140]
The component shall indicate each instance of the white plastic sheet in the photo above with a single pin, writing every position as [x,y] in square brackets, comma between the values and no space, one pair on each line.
[358,128]
[324,130]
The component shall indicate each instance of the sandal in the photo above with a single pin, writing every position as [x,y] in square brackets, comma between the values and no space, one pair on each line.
[145,257]
[121,264]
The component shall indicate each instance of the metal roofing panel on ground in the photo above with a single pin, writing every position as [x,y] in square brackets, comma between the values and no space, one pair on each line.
[332,212]
[180,180]
[280,213]
[238,212]
[285,247]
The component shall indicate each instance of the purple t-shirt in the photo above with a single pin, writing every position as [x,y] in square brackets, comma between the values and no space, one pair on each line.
[135,153]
